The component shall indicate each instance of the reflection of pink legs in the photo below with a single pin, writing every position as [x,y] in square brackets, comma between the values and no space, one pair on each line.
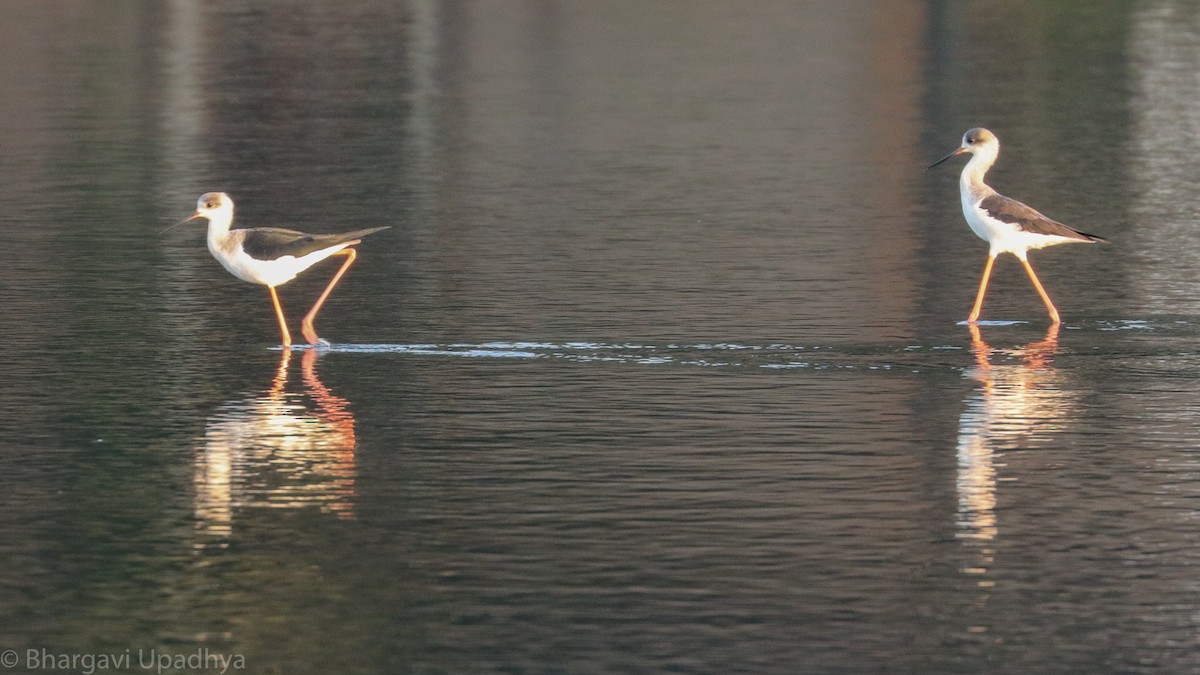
[980,348]
[281,375]
[1038,354]
[306,326]
[334,409]
[1041,354]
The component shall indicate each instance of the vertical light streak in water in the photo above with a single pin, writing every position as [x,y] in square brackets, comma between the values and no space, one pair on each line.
[183,118]
[184,122]
[1165,57]
[423,55]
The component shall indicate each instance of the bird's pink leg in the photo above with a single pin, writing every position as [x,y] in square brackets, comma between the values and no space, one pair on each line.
[287,337]
[983,283]
[306,326]
[982,351]
[1041,291]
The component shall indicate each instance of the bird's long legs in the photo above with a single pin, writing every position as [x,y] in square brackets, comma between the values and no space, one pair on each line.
[983,283]
[306,326]
[1037,284]
[1041,291]
[287,337]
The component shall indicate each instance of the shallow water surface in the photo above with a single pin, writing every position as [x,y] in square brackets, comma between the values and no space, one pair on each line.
[661,366]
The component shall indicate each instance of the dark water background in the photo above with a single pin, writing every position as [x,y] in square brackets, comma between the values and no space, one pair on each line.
[660,366]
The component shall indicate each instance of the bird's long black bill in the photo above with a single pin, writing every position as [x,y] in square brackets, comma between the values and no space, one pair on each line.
[185,220]
[957,152]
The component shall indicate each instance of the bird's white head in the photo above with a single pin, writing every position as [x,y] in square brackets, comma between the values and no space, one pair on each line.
[216,207]
[979,142]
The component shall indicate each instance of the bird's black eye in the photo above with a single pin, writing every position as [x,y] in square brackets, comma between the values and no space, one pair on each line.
[970,140]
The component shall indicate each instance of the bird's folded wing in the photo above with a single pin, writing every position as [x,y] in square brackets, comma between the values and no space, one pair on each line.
[1028,219]
[269,243]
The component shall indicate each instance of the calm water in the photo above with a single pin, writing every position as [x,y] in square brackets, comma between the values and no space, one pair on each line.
[659,368]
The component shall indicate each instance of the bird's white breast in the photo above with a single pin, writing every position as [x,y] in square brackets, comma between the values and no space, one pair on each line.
[268,272]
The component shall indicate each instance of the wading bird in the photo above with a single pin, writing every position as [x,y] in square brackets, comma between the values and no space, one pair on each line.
[1007,225]
[273,256]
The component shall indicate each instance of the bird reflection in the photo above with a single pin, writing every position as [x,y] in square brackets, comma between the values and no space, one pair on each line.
[1022,400]
[277,450]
